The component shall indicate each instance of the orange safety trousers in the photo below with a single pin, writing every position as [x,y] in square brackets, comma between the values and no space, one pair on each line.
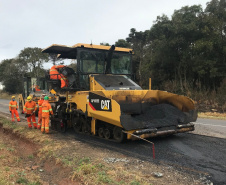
[33,121]
[40,102]
[45,125]
[13,108]
[39,120]
[14,111]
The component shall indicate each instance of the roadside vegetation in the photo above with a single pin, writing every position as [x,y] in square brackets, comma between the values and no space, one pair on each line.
[6,95]
[82,169]
[12,170]
[60,159]
[212,115]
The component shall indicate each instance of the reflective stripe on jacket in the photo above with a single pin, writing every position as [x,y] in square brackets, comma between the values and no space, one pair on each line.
[53,72]
[40,102]
[13,105]
[46,109]
[30,107]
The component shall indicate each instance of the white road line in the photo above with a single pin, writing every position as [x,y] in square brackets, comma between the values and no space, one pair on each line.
[209,124]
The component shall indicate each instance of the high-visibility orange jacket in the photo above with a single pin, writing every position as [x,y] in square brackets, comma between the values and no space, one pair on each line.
[40,102]
[46,109]
[13,105]
[37,88]
[54,74]
[30,107]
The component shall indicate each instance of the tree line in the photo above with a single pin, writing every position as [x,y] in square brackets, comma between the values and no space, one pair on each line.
[186,51]
[29,62]
[189,49]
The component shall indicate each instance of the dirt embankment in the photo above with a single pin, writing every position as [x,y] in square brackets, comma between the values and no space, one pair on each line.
[30,157]
[21,164]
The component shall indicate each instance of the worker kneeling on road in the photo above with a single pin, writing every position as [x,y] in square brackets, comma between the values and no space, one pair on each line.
[13,106]
[54,74]
[40,102]
[46,109]
[29,108]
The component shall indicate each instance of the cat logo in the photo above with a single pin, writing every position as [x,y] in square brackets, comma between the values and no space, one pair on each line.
[105,104]
[99,103]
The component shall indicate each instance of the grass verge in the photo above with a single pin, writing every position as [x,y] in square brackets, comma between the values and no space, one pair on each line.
[83,164]
[84,169]
[11,164]
[7,96]
[212,115]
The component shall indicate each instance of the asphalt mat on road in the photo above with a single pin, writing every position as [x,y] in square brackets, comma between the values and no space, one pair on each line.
[196,154]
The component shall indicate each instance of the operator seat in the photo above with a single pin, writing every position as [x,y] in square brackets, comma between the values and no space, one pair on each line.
[70,74]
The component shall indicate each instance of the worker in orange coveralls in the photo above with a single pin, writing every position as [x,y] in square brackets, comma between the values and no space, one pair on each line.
[54,74]
[29,109]
[13,109]
[40,102]
[46,109]
[37,88]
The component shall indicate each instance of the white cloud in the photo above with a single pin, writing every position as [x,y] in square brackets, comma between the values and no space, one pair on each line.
[40,23]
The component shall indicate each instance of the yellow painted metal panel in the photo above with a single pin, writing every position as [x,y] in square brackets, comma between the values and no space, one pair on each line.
[94,85]
[93,126]
[102,47]
[60,49]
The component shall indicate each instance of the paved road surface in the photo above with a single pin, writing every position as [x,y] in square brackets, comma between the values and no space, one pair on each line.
[210,127]
[197,154]
[202,151]
[4,105]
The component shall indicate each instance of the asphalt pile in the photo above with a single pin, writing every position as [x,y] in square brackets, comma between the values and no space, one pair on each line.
[161,115]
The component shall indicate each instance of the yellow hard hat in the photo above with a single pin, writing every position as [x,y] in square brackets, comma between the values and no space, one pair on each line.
[13,97]
[29,98]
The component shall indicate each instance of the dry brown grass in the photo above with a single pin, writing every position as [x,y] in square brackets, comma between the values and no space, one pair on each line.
[11,165]
[7,96]
[212,115]
[88,166]
[206,99]
[85,169]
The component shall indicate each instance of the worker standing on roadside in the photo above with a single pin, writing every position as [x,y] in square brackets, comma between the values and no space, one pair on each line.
[40,102]
[46,109]
[13,109]
[54,74]
[30,108]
